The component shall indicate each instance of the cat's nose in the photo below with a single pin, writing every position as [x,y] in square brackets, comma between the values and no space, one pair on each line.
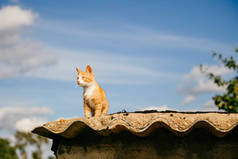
[78,82]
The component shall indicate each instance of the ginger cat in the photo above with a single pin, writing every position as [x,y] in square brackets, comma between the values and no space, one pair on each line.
[95,102]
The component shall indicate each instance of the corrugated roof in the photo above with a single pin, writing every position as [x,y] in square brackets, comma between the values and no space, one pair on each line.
[142,124]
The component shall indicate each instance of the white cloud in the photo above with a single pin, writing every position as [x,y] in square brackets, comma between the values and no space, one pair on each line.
[28,124]
[210,106]
[198,73]
[21,58]
[17,118]
[19,55]
[197,82]
[158,108]
[209,103]
[189,99]
[14,17]
[207,86]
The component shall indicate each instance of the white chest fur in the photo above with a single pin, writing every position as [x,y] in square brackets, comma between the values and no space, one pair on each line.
[88,93]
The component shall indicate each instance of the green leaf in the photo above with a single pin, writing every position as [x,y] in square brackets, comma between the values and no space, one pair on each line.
[229,100]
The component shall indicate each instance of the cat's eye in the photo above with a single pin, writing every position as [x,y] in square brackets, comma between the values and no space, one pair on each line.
[83,77]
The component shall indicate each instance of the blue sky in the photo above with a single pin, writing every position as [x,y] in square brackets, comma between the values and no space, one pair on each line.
[144,53]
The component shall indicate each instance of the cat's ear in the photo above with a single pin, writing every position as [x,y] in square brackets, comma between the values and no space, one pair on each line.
[89,70]
[78,70]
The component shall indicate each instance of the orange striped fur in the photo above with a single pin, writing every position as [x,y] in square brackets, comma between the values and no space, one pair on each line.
[95,102]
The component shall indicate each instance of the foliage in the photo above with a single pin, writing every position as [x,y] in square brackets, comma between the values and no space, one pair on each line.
[6,151]
[229,100]
[24,139]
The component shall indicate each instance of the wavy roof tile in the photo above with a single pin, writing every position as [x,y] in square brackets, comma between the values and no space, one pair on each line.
[141,124]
